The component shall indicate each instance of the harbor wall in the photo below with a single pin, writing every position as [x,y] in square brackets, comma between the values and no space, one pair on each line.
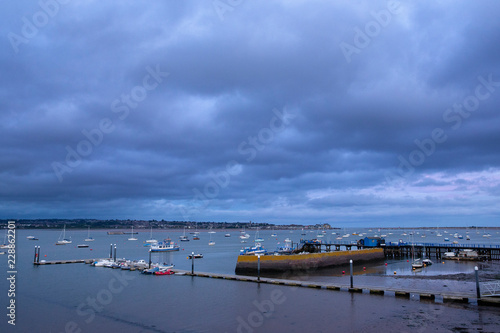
[306,261]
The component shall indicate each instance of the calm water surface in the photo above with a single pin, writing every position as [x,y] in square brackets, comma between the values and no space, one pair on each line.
[81,298]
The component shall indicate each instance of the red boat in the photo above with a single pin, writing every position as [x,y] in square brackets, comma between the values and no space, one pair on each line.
[167,272]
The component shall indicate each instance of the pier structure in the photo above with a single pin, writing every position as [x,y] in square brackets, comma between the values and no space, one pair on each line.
[407,250]
[437,250]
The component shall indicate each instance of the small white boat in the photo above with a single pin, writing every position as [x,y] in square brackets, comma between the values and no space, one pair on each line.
[102,263]
[89,239]
[132,238]
[257,238]
[211,243]
[417,263]
[62,239]
[151,240]
[227,235]
[183,237]
[82,245]
[32,238]
[427,262]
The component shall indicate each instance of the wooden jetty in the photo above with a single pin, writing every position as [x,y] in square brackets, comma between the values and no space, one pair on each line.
[58,262]
[422,295]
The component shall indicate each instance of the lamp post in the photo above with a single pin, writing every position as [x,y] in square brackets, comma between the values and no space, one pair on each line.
[350,263]
[258,267]
[478,291]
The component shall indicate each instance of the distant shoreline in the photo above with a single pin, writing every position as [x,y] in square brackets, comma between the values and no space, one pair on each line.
[192,225]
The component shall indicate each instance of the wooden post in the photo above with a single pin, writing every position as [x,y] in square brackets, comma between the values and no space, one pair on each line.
[192,263]
[34,258]
[149,258]
[114,258]
[110,251]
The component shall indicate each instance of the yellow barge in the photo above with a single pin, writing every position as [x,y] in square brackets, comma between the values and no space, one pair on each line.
[305,261]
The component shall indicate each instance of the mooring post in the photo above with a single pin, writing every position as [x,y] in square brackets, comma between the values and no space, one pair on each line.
[114,257]
[478,291]
[350,263]
[110,251]
[149,258]
[34,258]
[258,267]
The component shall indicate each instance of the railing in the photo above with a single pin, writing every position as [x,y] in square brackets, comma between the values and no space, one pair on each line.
[394,244]
[491,288]
[468,246]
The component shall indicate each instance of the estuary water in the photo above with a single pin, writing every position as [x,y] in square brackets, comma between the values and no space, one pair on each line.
[82,298]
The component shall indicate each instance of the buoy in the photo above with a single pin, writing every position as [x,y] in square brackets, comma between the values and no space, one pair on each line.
[407,260]
[386,264]
[343,272]
[45,255]
[394,272]
[364,268]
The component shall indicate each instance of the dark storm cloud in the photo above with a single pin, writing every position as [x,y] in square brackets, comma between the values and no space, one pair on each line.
[209,140]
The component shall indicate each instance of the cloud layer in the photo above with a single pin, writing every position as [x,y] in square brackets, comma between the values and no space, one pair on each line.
[365,113]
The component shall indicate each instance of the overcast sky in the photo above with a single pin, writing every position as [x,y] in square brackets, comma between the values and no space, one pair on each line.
[354,113]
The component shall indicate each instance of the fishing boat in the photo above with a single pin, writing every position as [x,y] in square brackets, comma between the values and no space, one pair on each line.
[151,240]
[166,246]
[196,238]
[89,239]
[257,249]
[62,238]
[132,238]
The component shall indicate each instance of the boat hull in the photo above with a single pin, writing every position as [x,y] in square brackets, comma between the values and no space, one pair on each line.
[305,262]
